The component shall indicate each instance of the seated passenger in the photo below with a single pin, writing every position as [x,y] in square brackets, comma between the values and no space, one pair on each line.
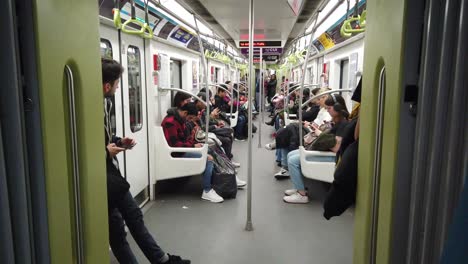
[223,106]
[174,131]
[193,125]
[340,114]
[121,204]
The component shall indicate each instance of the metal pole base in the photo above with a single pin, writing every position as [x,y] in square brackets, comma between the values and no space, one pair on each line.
[249,226]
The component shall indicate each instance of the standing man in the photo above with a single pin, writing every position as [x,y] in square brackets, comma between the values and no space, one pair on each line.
[121,205]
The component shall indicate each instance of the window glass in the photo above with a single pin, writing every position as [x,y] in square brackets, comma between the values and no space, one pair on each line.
[106,52]
[134,88]
[106,49]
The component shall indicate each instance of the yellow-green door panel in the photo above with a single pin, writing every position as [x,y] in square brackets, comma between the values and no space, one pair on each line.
[383,47]
[67,34]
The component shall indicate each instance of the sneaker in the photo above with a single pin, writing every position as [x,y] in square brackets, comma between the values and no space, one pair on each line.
[173,259]
[290,192]
[240,139]
[240,183]
[283,173]
[212,196]
[235,164]
[296,198]
[270,146]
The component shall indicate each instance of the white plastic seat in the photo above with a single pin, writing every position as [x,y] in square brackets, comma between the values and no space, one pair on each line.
[289,118]
[317,170]
[168,167]
[233,118]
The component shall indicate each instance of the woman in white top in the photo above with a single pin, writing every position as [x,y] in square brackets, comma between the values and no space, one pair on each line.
[323,116]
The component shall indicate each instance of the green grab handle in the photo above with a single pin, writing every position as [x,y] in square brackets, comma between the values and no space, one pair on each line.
[147,31]
[133,31]
[117,19]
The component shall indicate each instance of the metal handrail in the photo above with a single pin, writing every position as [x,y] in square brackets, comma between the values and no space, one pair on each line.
[377,167]
[326,92]
[205,68]
[249,225]
[76,165]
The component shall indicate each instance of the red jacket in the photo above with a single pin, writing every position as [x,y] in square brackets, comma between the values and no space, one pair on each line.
[174,130]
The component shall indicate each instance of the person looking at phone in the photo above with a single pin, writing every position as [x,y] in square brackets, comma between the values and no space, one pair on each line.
[121,205]
[174,131]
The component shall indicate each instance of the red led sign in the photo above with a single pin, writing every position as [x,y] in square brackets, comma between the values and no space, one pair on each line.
[261,44]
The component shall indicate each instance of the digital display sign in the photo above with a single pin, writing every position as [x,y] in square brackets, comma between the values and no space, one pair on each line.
[274,43]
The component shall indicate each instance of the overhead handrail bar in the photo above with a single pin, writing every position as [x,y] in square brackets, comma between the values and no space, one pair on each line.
[338,4]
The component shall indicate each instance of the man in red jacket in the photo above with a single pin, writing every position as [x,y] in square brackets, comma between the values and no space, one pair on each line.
[174,130]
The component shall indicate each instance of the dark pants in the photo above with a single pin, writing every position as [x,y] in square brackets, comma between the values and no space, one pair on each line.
[127,210]
[239,129]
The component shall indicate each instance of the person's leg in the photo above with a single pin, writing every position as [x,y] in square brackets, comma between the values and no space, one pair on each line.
[294,166]
[239,129]
[117,238]
[133,217]
[284,158]
[207,174]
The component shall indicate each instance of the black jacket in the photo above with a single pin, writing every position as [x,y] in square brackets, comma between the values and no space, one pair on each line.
[117,185]
[342,193]
[288,137]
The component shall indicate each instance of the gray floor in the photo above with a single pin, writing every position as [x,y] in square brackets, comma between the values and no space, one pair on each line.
[210,233]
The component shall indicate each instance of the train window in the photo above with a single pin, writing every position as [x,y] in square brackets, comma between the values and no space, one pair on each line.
[106,49]
[134,88]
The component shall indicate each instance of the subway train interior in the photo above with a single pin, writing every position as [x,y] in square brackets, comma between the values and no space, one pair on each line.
[236,131]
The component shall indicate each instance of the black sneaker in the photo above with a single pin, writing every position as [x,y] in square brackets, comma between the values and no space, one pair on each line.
[173,259]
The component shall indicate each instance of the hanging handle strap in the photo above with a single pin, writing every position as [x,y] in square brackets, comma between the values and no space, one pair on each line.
[116,13]
[133,20]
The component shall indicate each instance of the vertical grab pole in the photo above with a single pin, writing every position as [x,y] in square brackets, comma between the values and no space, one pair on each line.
[259,103]
[304,68]
[205,69]
[76,167]
[248,225]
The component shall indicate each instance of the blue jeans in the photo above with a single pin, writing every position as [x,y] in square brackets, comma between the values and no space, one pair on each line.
[208,170]
[239,129]
[127,210]
[284,157]
[294,167]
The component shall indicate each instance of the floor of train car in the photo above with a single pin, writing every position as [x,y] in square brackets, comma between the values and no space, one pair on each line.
[209,233]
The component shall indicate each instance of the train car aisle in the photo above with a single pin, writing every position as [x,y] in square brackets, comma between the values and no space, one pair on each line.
[209,233]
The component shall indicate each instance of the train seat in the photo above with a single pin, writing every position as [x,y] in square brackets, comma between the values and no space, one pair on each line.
[317,170]
[168,167]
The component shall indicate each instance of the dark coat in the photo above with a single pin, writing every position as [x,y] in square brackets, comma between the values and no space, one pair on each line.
[117,186]
[288,137]
[342,193]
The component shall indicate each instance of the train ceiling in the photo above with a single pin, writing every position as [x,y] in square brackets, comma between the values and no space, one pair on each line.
[274,19]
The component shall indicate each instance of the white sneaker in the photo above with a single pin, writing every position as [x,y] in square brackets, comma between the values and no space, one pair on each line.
[270,146]
[290,192]
[212,196]
[296,198]
[236,164]
[283,173]
[240,183]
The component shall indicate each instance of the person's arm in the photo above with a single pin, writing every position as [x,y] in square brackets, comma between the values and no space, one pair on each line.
[172,138]
[356,129]
[337,145]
